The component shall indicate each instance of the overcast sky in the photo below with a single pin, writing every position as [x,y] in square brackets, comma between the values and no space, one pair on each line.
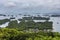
[42,5]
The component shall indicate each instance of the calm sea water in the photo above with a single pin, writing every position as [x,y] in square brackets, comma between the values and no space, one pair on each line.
[56,23]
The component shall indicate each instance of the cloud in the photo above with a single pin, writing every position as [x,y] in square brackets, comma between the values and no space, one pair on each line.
[10,4]
[34,3]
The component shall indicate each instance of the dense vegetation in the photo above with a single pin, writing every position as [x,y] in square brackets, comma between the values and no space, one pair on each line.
[13,24]
[15,34]
[4,21]
[25,25]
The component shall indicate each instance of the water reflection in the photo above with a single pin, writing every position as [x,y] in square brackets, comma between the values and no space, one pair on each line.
[56,23]
[4,25]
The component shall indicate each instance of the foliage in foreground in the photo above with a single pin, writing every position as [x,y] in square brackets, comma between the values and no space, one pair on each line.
[15,34]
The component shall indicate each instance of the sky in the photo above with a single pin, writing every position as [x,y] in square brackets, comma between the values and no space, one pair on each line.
[29,6]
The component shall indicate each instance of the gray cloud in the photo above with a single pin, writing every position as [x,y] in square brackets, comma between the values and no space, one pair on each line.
[43,6]
[28,3]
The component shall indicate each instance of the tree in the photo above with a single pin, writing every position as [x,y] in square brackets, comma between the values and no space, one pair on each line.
[13,24]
